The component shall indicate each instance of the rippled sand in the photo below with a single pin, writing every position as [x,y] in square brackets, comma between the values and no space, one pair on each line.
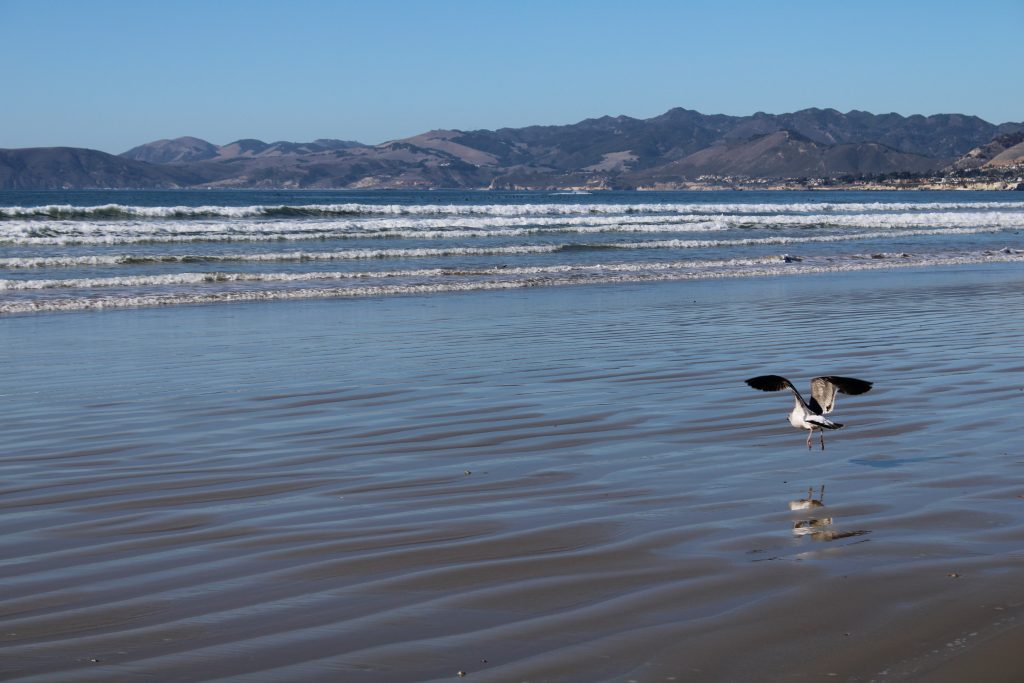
[533,485]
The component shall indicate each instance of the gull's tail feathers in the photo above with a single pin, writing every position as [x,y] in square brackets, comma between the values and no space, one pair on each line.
[823,422]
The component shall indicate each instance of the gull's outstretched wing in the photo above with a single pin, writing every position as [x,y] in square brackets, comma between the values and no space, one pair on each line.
[770,383]
[773,383]
[824,389]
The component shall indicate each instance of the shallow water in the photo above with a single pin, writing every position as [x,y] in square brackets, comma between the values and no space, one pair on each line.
[568,484]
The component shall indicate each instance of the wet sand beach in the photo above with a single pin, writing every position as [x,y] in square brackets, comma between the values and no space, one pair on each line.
[563,484]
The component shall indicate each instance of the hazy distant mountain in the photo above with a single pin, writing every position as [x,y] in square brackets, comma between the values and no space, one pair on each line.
[939,136]
[255,164]
[620,151]
[786,154]
[681,132]
[55,168]
[1004,150]
[170,151]
[188,149]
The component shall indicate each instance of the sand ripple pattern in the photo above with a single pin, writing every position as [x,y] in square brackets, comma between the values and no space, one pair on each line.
[545,484]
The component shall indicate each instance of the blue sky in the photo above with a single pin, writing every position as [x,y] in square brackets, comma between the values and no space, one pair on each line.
[111,75]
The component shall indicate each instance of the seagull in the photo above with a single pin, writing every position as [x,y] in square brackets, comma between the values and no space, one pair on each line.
[811,415]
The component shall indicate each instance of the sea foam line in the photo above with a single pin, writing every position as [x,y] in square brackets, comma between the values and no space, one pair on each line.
[216,277]
[202,278]
[64,234]
[56,233]
[113,211]
[150,300]
[425,252]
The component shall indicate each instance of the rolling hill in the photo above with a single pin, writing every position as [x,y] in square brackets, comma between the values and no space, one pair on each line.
[622,152]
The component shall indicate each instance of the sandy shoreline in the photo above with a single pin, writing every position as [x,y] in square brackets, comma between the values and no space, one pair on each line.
[544,485]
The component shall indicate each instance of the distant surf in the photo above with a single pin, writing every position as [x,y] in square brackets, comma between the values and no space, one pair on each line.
[299,211]
[177,248]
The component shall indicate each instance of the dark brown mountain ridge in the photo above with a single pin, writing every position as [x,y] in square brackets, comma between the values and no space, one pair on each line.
[67,168]
[623,152]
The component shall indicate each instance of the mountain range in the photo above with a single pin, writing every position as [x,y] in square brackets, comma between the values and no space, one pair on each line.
[608,152]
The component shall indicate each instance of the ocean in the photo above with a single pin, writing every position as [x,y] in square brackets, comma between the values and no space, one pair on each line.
[396,436]
[65,251]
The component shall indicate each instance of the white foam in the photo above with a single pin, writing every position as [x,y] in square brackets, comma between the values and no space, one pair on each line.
[342,255]
[67,211]
[88,232]
[591,275]
[139,232]
[169,279]
[424,252]
[751,241]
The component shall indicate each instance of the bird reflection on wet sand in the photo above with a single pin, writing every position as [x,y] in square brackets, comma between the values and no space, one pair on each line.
[810,501]
[818,528]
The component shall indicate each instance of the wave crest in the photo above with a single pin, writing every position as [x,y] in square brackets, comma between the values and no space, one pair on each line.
[122,211]
[557,276]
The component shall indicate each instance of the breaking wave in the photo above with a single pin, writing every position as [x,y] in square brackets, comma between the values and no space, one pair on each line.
[558,276]
[205,278]
[121,211]
[57,234]
[422,252]
[73,257]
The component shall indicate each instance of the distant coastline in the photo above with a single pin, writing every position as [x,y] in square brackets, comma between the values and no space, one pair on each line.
[937,182]
[678,150]
[1011,180]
